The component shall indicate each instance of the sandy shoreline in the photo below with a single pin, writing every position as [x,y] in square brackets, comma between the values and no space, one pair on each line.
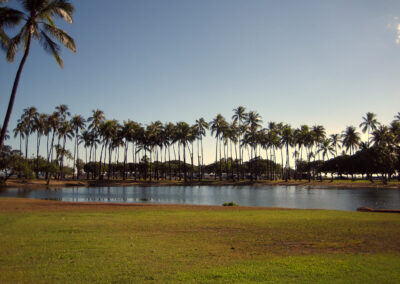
[85,183]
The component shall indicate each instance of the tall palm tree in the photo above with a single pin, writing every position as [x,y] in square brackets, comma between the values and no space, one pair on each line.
[183,137]
[319,136]
[217,126]
[54,124]
[350,139]
[370,123]
[169,137]
[20,130]
[253,122]
[77,124]
[29,115]
[335,139]
[65,132]
[38,17]
[202,126]
[240,116]
[287,140]
[40,127]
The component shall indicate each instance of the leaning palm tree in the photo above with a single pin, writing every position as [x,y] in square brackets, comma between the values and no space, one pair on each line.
[370,123]
[38,17]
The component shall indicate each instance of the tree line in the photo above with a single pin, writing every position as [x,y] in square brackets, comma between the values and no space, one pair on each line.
[175,150]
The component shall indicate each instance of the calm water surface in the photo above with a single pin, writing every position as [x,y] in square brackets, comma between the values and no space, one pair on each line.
[268,196]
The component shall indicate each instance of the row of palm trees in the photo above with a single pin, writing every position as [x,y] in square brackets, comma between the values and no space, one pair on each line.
[110,140]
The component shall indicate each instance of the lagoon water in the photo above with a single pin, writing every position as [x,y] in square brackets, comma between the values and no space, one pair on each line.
[266,196]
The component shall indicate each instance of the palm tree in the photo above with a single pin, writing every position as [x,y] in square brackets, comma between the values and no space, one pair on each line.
[65,131]
[326,148]
[217,125]
[335,139]
[350,139]
[183,137]
[253,122]
[28,117]
[39,126]
[202,126]
[54,124]
[169,137]
[382,136]
[128,135]
[38,24]
[319,136]
[287,140]
[370,123]
[397,117]
[20,130]
[240,116]
[77,124]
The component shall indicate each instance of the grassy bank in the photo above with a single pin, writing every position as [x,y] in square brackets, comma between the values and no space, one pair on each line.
[394,184]
[45,241]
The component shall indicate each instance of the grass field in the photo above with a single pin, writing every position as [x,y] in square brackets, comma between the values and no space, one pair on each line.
[47,242]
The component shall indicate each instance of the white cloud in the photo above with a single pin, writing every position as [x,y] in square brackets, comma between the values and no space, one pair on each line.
[398,34]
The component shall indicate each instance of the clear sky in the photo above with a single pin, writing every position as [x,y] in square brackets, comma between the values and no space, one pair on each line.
[300,62]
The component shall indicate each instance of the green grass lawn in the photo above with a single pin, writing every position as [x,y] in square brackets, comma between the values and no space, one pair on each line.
[43,241]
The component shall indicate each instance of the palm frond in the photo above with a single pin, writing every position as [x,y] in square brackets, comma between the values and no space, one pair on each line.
[4,39]
[10,17]
[61,36]
[59,8]
[14,44]
[35,5]
[51,47]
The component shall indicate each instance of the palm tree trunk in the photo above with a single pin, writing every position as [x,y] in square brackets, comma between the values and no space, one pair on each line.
[26,146]
[198,159]
[77,159]
[202,159]
[125,159]
[37,155]
[216,158]
[14,91]
[73,162]
[184,163]
[169,162]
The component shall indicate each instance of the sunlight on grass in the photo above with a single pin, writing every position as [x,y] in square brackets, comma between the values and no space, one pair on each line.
[57,242]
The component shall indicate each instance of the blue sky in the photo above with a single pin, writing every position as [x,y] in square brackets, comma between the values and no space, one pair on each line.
[300,62]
